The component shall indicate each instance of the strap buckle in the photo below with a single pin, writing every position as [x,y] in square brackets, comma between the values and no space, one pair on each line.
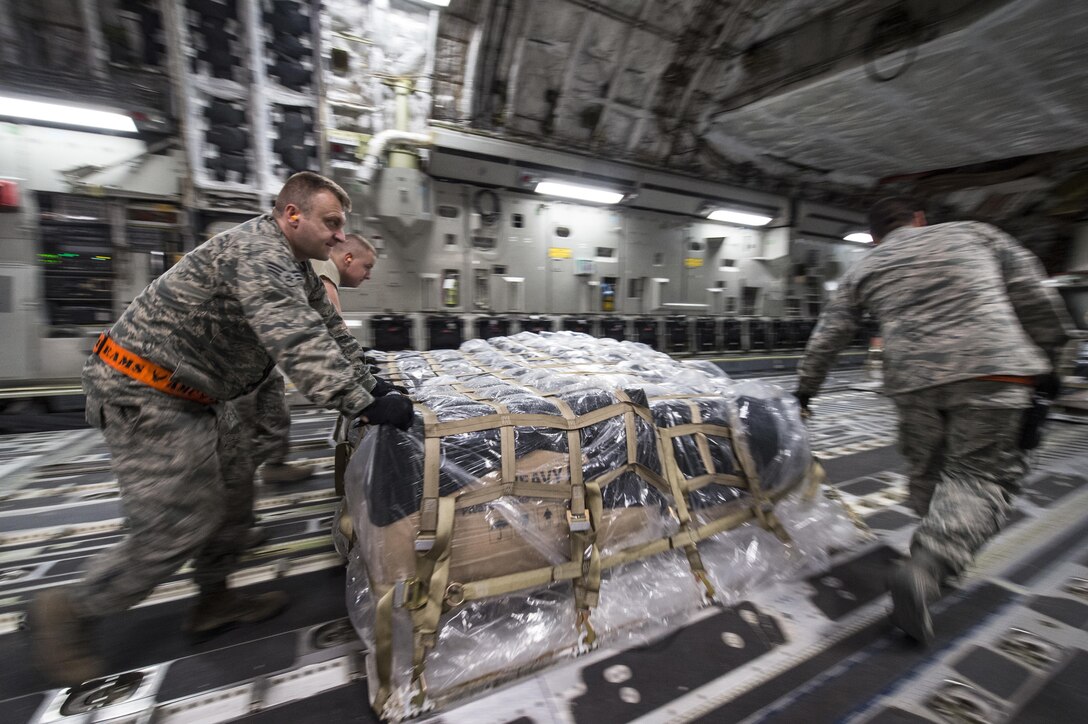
[409,594]
[578,522]
[424,542]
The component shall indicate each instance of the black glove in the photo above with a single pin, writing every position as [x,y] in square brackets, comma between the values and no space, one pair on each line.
[383,388]
[1048,385]
[395,410]
[373,369]
[803,400]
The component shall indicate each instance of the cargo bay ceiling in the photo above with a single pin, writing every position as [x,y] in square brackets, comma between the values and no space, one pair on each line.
[979,105]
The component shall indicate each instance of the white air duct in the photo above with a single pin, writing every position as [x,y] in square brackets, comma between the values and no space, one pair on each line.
[376,148]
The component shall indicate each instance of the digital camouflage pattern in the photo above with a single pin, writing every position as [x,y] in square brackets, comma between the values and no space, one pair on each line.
[954,301]
[186,478]
[232,309]
[221,319]
[267,418]
[960,443]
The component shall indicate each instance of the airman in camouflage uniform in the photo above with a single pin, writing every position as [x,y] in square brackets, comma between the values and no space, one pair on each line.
[217,323]
[349,264]
[968,331]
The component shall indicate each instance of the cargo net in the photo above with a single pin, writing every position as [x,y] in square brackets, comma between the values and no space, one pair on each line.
[557,491]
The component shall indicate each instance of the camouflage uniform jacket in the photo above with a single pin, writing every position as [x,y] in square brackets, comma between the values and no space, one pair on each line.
[228,312]
[954,301]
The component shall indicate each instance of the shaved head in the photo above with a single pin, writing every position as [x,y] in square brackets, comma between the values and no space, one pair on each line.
[354,258]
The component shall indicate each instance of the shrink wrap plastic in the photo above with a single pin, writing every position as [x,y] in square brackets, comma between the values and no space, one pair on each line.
[557,491]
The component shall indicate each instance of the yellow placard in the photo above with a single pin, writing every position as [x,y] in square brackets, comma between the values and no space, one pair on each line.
[559,252]
[693,262]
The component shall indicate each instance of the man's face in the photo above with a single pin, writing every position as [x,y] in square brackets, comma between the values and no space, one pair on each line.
[356,266]
[312,234]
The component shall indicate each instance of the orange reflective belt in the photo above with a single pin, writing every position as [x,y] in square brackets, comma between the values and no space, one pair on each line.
[1011,379]
[144,371]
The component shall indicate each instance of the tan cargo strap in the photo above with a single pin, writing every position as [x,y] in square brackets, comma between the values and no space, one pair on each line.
[587,587]
[383,647]
[762,505]
[523,580]
[487,422]
[680,491]
[432,468]
[629,426]
[700,438]
[815,478]
[501,585]
[701,481]
[641,470]
[432,573]
[584,519]
[696,428]
[494,491]
[577,516]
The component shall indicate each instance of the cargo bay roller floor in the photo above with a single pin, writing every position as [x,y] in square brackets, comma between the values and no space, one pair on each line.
[1012,639]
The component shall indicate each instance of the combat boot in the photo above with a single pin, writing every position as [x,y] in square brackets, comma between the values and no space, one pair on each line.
[256,536]
[915,584]
[218,610]
[62,640]
[285,474]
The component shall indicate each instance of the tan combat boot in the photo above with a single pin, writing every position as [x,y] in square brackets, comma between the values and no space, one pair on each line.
[285,473]
[62,640]
[217,611]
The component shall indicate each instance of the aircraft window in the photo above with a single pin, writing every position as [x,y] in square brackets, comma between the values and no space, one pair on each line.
[483,243]
[449,212]
[562,232]
[451,239]
[695,246]
[728,263]
[605,251]
[517,220]
[498,269]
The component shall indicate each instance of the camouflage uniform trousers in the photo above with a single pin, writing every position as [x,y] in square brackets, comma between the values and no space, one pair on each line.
[186,480]
[266,418]
[960,441]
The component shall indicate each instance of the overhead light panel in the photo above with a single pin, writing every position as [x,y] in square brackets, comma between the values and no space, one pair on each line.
[594,194]
[860,237]
[439,3]
[739,217]
[65,115]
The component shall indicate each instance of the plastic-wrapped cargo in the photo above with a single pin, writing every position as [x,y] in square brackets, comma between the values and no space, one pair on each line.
[558,490]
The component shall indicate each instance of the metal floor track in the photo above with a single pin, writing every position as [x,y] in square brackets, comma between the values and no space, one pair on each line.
[1012,642]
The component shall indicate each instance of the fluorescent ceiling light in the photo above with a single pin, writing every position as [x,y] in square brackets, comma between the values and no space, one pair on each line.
[859,236]
[439,3]
[581,193]
[65,115]
[739,217]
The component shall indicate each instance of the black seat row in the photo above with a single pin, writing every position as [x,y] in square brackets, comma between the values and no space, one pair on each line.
[704,334]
